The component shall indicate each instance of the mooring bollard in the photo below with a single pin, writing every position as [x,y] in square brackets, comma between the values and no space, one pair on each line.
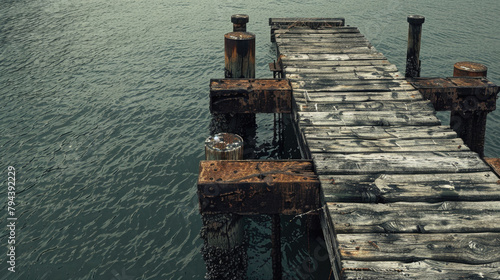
[224,146]
[471,126]
[469,69]
[239,50]
[413,52]
[224,249]
[239,63]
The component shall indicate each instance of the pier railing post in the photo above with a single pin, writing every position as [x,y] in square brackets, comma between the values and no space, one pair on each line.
[224,248]
[470,126]
[413,52]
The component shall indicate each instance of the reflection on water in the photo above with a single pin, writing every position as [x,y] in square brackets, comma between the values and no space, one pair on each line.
[105,110]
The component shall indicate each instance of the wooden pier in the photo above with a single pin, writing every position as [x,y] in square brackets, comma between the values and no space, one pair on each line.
[403,196]
[400,195]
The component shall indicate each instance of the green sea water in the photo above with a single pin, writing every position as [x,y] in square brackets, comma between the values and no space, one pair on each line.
[105,110]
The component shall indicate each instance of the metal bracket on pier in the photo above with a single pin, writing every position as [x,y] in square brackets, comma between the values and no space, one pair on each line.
[250,96]
[277,68]
[245,187]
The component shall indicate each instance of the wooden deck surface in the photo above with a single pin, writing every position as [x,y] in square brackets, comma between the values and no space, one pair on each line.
[404,197]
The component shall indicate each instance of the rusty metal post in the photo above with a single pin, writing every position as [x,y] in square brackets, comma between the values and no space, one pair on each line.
[413,52]
[224,146]
[224,249]
[471,126]
[239,63]
[239,50]
[469,69]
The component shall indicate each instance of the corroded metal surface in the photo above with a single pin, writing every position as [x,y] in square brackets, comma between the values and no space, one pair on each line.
[495,164]
[460,94]
[239,53]
[240,22]
[413,50]
[224,146]
[250,96]
[469,69]
[258,187]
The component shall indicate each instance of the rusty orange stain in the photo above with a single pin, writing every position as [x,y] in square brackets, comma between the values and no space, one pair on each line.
[374,244]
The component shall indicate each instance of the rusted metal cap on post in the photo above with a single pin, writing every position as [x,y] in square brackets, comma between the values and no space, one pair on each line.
[224,146]
[469,69]
[239,22]
[416,19]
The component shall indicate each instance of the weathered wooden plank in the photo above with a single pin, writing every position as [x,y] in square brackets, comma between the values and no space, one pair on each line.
[309,49]
[320,57]
[410,192]
[416,217]
[469,248]
[384,180]
[346,76]
[341,69]
[301,95]
[329,45]
[306,30]
[320,83]
[382,146]
[399,163]
[379,132]
[367,106]
[333,63]
[257,187]
[283,41]
[308,22]
[386,188]
[337,36]
[351,85]
[425,269]
[364,118]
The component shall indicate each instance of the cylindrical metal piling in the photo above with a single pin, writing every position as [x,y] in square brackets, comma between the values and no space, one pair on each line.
[413,51]
[224,146]
[471,127]
[469,69]
[224,249]
[239,47]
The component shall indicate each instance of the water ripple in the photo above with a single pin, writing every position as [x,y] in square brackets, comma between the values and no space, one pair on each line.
[105,111]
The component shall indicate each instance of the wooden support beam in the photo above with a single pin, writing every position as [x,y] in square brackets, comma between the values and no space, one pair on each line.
[469,99]
[462,94]
[250,96]
[245,187]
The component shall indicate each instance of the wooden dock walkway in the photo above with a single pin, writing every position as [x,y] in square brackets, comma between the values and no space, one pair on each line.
[404,197]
